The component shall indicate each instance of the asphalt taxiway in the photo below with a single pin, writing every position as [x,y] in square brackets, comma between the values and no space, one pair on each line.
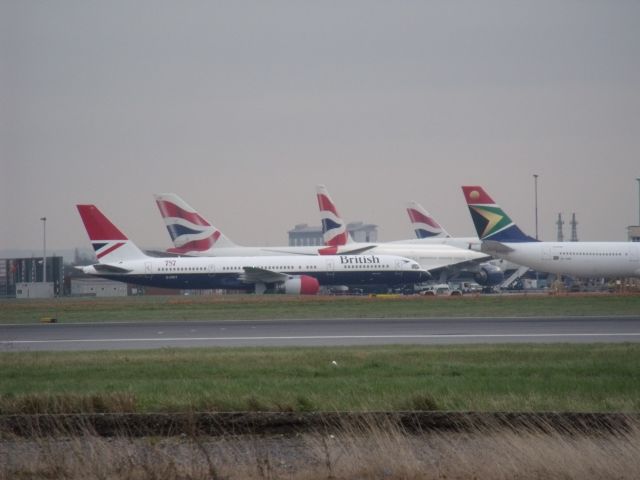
[321,332]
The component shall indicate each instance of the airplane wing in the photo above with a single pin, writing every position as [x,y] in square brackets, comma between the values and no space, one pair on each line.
[341,250]
[325,251]
[166,253]
[284,251]
[262,275]
[104,267]
[493,246]
[356,251]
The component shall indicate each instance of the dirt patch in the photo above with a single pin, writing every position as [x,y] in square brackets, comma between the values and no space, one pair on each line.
[283,423]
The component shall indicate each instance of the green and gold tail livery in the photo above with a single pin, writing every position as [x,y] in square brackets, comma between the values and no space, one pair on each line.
[491,222]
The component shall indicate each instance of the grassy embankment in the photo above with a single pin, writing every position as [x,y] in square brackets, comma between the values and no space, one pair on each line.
[235,307]
[355,452]
[486,378]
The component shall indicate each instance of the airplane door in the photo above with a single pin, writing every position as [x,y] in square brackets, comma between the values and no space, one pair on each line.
[399,268]
[551,253]
[211,269]
[148,269]
[330,269]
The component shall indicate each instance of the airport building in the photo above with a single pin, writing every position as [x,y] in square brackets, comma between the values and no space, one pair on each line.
[634,233]
[303,235]
[97,287]
[22,273]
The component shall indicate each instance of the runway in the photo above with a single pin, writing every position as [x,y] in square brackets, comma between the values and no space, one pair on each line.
[321,332]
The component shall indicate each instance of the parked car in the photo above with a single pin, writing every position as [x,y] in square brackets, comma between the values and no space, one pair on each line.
[440,289]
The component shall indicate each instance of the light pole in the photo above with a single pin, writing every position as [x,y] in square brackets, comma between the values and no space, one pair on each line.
[535,188]
[44,249]
[638,179]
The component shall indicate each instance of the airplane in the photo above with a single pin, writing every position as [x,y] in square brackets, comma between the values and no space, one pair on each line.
[450,259]
[501,237]
[186,227]
[428,230]
[121,260]
[423,223]
[193,235]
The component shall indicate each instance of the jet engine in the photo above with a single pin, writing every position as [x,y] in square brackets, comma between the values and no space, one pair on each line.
[489,275]
[299,285]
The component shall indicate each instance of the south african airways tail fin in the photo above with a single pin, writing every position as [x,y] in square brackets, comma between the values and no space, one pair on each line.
[423,223]
[109,243]
[490,220]
[189,231]
[334,230]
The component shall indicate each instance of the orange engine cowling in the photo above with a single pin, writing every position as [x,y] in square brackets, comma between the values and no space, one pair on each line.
[300,285]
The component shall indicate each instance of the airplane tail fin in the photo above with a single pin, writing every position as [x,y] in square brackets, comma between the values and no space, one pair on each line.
[189,231]
[334,230]
[109,244]
[491,222]
[423,223]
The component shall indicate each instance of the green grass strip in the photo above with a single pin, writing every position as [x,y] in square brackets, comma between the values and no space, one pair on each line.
[251,307]
[602,377]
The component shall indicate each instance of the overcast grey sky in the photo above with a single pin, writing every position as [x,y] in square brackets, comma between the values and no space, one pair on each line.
[243,107]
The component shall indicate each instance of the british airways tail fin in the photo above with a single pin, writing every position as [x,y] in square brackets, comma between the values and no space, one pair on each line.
[189,231]
[423,223]
[334,230]
[109,244]
[490,220]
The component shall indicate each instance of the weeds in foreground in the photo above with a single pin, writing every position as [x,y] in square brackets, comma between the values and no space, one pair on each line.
[361,450]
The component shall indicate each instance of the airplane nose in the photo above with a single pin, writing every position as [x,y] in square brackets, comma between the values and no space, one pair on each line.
[424,276]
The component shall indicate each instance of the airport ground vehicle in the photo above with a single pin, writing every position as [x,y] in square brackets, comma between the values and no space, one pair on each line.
[441,289]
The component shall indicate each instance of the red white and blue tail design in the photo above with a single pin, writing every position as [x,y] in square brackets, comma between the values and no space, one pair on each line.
[423,223]
[334,230]
[189,231]
[109,244]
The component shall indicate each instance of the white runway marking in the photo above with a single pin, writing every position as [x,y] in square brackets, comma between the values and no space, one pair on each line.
[325,337]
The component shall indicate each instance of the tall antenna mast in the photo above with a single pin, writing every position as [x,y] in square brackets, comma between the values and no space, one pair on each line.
[574,228]
[560,223]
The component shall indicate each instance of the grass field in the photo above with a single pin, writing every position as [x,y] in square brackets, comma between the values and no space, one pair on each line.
[483,378]
[530,378]
[238,307]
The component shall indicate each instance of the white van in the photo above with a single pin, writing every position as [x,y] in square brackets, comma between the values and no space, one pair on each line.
[440,289]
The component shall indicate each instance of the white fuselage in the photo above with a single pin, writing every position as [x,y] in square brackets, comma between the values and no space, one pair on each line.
[428,256]
[239,272]
[580,259]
